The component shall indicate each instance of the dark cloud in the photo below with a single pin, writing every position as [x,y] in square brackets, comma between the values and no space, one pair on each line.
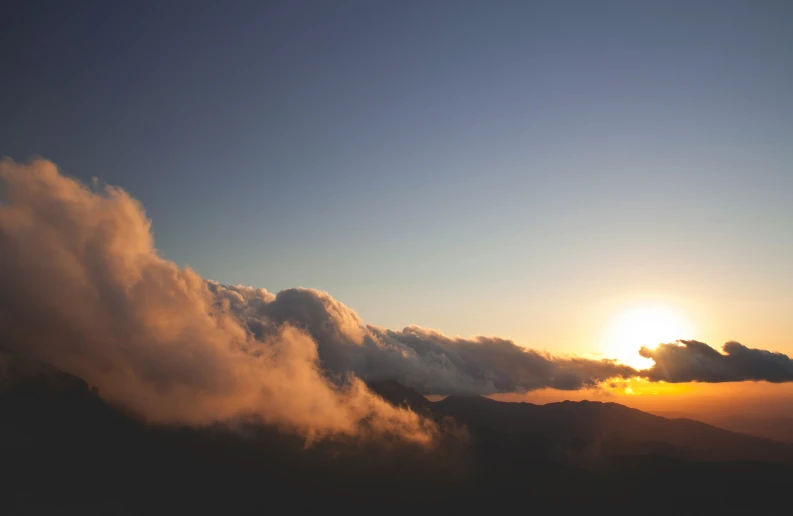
[694,361]
[424,359]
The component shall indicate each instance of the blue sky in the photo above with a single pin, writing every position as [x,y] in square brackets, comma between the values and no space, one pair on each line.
[477,167]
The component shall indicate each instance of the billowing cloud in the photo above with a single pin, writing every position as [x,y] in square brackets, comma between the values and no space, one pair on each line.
[694,361]
[83,288]
[423,359]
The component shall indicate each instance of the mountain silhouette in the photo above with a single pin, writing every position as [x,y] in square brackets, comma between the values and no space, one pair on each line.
[591,430]
[63,446]
[401,396]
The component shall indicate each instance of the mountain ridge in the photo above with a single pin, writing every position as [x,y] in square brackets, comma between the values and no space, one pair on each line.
[62,442]
[591,424]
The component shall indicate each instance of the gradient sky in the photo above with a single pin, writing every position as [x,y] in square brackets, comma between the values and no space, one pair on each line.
[521,169]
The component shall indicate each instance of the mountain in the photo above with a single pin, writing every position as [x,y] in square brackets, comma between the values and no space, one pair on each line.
[777,428]
[587,430]
[401,396]
[63,446]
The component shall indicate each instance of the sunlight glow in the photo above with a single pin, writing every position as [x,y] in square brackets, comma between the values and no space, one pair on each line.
[644,325]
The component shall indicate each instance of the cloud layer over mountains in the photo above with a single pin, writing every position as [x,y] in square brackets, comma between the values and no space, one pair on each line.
[83,288]
[421,358]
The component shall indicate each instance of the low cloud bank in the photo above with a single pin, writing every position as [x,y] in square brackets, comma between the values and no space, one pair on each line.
[83,288]
[423,359]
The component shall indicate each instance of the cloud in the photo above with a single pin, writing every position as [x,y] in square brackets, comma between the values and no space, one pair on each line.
[421,358]
[83,288]
[694,361]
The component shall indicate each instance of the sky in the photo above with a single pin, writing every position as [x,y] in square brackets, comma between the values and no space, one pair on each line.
[522,169]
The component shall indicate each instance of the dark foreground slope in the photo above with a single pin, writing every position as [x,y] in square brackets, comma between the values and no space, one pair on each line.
[63,447]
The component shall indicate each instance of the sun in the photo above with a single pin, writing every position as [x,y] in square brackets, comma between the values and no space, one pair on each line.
[644,325]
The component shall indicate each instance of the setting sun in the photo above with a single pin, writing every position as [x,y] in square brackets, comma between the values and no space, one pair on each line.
[644,325]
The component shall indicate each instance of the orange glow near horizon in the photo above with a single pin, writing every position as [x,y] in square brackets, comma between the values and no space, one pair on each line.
[695,400]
